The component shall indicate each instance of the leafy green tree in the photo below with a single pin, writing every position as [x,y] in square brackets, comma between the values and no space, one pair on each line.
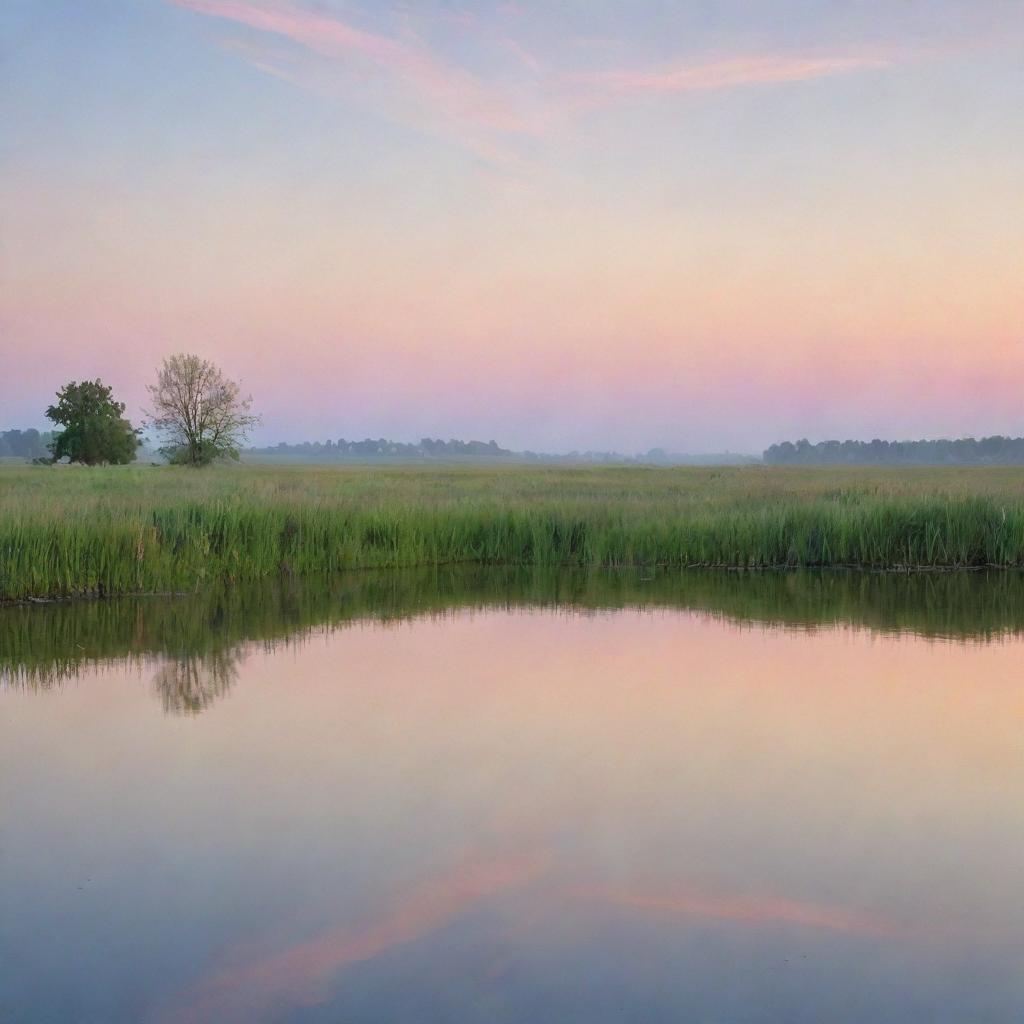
[95,430]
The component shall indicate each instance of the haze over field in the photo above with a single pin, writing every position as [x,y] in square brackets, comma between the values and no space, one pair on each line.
[564,226]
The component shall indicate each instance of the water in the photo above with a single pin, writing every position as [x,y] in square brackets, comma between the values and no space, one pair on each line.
[477,797]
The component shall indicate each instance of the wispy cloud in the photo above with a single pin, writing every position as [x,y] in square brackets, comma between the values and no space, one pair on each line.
[520,52]
[489,115]
[413,83]
[723,74]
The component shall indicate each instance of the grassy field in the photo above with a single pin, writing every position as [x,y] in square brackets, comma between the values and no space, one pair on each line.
[71,531]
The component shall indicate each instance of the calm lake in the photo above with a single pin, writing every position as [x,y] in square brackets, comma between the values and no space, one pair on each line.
[517,797]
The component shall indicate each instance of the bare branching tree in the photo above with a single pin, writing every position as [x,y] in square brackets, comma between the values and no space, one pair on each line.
[201,415]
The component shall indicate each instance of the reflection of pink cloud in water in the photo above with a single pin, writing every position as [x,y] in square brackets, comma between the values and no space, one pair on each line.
[747,909]
[300,973]
[691,905]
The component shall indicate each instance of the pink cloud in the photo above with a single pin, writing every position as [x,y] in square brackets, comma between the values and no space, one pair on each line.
[415,85]
[722,74]
[522,54]
[444,96]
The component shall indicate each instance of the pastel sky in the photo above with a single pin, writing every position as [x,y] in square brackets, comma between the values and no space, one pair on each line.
[580,224]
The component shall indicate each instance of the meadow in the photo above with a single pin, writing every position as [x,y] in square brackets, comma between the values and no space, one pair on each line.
[70,531]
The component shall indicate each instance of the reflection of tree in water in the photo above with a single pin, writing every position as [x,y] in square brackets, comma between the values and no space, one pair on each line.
[189,685]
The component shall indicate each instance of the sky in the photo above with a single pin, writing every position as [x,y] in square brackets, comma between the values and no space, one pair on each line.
[586,224]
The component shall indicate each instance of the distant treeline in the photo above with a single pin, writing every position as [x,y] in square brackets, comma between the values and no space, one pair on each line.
[426,448]
[966,451]
[24,444]
[32,444]
[429,448]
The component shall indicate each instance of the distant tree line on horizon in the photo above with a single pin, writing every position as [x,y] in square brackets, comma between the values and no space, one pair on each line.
[430,448]
[24,444]
[427,447]
[965,451]
[36,445]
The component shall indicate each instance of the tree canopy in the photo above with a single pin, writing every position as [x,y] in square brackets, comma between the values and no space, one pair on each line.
[95,430]
[201,414]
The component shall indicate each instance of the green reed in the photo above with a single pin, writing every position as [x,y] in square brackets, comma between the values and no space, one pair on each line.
[67,532]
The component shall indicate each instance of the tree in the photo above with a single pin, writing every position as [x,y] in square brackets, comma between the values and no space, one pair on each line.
[201,414]
[95,430]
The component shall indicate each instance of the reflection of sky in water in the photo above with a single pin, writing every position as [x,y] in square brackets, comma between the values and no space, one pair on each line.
[512,816]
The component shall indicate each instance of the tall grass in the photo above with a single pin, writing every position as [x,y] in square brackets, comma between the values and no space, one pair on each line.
[66,532]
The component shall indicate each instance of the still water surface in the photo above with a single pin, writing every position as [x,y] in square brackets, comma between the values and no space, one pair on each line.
[489,798]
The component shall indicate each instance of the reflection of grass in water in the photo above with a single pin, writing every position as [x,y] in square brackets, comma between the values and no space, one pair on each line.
[122,530]
[201,637]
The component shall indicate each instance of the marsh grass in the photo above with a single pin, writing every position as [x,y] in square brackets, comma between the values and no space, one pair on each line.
[71,532]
